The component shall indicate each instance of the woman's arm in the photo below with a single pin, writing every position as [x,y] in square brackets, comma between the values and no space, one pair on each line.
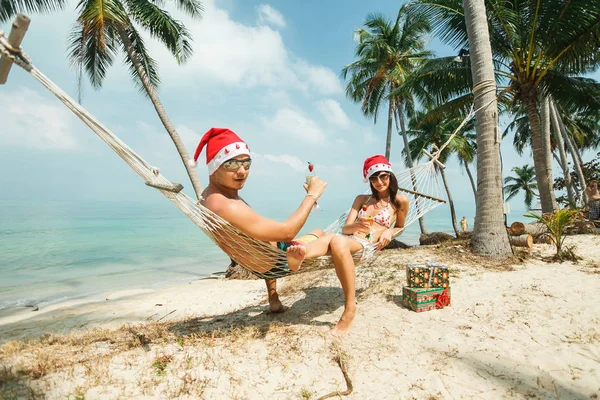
[401,213]
[351,227]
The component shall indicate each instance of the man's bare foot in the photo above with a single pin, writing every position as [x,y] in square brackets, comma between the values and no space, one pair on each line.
[296,253]
[343,325]
[275,305]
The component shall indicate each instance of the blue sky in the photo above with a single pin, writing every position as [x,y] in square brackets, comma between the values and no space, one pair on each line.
[269,71]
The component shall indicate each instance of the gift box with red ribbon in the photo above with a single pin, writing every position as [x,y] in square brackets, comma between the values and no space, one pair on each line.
[425,299]
[431,275]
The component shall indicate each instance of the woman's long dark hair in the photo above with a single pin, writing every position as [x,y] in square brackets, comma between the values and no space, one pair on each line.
[393,189]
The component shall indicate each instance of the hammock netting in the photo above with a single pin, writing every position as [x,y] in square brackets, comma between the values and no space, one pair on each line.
[419,184]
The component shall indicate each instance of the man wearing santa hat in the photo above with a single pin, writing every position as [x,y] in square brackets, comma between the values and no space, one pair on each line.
[228,161]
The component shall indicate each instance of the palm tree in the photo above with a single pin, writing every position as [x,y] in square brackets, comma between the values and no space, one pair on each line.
[580,131]
[10,8]
[387,54]
[489,234]
[524,181]
[560,144]
[426,132]
[538,47]
[106,27]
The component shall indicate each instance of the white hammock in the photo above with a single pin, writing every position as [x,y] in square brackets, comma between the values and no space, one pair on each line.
[260,258]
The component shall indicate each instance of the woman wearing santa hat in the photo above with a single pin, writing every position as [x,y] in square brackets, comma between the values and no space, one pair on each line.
[228,161]
[373,220]
[379,216]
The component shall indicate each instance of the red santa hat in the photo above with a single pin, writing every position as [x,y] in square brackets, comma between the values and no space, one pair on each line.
[375,164]
[221,144]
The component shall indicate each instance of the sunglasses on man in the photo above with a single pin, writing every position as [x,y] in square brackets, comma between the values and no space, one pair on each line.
[234,165]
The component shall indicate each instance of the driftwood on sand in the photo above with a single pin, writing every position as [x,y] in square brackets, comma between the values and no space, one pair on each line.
[535,229]
[522,241]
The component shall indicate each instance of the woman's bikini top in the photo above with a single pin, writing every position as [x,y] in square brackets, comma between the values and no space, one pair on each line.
[383,218]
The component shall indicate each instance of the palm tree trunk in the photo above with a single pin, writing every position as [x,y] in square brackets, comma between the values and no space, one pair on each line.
[413,178]
[540,157]
[161,112]
[450,203]
[388,140]
[563,155]
[547,138]
[574,153]
[489,233]
[471,179]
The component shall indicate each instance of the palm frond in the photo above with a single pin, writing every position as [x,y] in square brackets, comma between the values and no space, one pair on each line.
[143,57]
[10,8]
[173,34]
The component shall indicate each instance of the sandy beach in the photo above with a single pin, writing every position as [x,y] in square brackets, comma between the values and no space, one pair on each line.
[521,329]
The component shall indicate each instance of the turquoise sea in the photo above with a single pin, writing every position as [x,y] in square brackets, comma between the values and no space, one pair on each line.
[53,251]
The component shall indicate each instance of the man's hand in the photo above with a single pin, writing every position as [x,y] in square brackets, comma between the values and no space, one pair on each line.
[316,186]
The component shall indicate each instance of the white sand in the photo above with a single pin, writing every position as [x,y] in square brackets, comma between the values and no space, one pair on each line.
[530,331]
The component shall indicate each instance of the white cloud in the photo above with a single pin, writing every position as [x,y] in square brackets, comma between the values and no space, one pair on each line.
[268,14]
[291,161]
[189,137]
[332,111]
[242,56]
[294,124]
[32,121]
[323,79]
[156,139]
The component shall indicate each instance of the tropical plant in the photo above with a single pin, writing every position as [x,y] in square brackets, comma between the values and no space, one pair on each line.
[538,48]
[105,27]
[523,181]
[387,54]
[557,223]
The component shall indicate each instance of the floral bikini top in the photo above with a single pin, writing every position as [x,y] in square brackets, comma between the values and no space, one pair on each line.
[383,218]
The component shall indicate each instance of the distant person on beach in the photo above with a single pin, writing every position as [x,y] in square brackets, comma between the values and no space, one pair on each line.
[228,161]
[464,224]
[593,196]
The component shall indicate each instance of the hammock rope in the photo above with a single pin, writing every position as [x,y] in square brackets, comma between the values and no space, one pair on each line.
[419,184]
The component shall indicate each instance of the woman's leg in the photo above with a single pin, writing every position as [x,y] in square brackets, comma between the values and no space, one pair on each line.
[341,253]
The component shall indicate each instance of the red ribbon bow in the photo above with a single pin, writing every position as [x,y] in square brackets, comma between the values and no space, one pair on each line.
[442,299]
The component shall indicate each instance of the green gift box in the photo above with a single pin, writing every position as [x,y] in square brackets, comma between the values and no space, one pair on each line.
[431,275]
[425,299]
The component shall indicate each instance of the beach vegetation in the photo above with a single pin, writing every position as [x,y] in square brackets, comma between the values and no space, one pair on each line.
[305,394]
[556,224]
[161,363]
